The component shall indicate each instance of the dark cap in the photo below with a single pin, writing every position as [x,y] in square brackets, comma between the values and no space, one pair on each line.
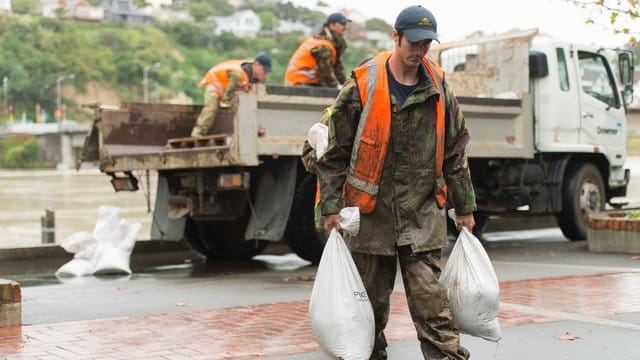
[417,24]
[265,60]
[337,17]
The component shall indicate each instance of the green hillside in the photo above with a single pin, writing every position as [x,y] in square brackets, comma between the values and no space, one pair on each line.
[34,51]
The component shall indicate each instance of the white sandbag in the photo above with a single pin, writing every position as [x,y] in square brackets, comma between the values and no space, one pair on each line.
[77,242]
[340,312]
[107,250]
[76,267]
[472,288]
[82,244]
[113,254]
[318,138]
[107,223]
[350,220]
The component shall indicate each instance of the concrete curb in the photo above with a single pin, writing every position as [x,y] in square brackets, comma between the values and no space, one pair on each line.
[56,251]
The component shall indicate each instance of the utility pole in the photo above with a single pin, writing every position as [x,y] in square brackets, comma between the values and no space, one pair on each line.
[58,112]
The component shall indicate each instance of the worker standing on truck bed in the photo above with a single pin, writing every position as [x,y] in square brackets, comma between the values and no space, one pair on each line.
[397,142]
[318,60]
[221,83]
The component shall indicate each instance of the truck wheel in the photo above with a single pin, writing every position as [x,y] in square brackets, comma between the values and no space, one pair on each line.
[482,224]
[221,240]
[302,236]
[582,193]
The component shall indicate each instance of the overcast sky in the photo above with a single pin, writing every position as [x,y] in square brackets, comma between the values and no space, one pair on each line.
[458,18]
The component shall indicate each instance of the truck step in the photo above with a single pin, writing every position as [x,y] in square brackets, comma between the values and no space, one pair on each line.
[200,141]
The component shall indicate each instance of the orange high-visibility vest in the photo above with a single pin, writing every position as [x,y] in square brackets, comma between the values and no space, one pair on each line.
[303,67]
[218,76]
[374,131]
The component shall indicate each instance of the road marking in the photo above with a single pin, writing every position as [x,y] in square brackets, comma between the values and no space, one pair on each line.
[561,315]
[568,266]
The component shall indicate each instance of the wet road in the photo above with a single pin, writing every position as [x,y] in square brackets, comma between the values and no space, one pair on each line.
[176,282]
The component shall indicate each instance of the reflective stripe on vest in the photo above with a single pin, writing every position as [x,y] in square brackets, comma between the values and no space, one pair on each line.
[374,131]
[218,76]
[303,67]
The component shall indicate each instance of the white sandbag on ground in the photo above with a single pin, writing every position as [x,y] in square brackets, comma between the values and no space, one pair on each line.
[107,250]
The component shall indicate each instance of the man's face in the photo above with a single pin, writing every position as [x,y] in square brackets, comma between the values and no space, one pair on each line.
[410,53]
[338,28]
[259,73]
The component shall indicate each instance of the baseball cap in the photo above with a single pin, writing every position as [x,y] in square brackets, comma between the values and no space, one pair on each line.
[265,60]
[417,24]
[337,17]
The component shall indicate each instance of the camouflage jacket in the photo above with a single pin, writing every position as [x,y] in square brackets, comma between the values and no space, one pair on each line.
[235,81]
[406,212]
[332,75]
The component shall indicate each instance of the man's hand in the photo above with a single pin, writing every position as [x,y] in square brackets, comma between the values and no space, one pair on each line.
[224,104]
[466,221]
[331,221]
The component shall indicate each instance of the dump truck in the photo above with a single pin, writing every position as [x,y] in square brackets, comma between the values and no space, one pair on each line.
[546,122]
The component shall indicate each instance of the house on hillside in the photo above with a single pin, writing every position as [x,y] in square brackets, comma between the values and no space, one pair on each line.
[72,9]
[5,5]
[165,15]
[285,26]
[243,23]
[124,12]
[239,3]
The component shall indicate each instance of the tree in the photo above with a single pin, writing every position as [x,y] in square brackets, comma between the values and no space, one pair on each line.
[377,24]
[268,20]
[25,6]
[622,15]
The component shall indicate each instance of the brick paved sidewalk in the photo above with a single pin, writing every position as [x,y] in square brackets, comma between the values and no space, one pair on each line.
[282,328]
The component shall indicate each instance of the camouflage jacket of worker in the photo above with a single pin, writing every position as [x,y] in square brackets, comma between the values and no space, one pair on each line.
[406,212]
[332,75]
[235,81]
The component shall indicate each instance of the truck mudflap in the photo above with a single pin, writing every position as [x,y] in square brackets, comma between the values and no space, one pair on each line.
[162,227]
[272,204]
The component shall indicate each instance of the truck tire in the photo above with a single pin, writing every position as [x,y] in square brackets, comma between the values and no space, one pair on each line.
[582,193]
[482,224]
[221,240]
[302,236]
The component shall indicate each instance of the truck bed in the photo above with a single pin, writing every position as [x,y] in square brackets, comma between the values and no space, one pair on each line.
[268,121]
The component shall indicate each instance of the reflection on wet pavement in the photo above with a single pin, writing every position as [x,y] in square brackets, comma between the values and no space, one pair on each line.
[284,262]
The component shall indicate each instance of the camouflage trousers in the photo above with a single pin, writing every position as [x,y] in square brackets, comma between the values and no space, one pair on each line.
[208,113]
[427,299]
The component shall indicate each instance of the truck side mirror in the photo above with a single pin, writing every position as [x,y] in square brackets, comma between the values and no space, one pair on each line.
[625,67]
[538,67]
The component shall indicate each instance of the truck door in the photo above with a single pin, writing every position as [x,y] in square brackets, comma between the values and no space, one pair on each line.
[601,108]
